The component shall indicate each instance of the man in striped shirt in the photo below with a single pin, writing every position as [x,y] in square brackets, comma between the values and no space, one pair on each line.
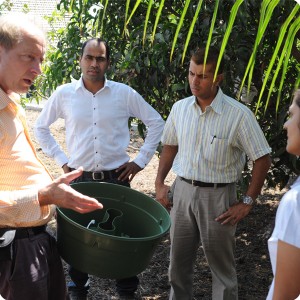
[210,135]
[30,266]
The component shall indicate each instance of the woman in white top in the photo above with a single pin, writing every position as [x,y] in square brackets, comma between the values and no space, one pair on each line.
[284,244]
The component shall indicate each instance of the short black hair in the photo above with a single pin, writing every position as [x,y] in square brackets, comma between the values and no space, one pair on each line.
[212,57]
[99,41]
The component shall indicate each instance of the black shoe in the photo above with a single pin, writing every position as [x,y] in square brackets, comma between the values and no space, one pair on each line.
[126,296]
[75,296]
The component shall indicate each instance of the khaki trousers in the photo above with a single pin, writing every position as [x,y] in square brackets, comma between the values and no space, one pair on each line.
[193,222]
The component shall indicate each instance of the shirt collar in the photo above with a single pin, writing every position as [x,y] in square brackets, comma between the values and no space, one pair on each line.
[217,103]
[80,84]
[5,99]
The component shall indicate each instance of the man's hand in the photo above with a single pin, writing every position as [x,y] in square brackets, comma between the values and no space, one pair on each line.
[66,169]
[234,214]
[129,170]
[167,157]
[60,193]
[239,211]
[162,195]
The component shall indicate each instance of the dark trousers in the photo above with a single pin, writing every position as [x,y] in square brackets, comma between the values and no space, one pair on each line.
[80,280]
[34,271]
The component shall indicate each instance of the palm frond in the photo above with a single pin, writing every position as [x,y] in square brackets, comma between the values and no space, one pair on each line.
[161,5]
[295,27]
[137,3]
[212,26]
[232,17]
[191,29]
[261,31]
[147,19]
[182,17]
[267,9]
[103,16]
[126,14]
[283,31]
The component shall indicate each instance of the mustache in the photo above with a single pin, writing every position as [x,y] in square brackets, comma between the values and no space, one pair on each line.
[93,69]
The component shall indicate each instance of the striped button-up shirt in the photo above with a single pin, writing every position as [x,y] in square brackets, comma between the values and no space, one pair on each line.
[212,145]
[21,172]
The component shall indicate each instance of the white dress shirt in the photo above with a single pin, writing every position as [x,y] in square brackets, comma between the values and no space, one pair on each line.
[97,133]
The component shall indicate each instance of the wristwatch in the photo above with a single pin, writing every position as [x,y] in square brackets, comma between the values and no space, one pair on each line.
[247,200]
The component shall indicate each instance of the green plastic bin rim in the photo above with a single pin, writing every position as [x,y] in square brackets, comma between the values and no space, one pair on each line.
[165,218]
[113,237]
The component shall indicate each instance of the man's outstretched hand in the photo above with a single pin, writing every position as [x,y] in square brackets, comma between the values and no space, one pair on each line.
[60,193]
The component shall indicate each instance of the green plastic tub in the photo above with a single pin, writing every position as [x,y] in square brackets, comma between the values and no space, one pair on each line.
[117,241]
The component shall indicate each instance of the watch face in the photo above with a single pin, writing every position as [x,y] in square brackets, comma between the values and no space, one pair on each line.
[247,200]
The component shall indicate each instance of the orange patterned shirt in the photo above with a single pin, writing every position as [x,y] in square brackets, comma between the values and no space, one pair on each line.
[21,172]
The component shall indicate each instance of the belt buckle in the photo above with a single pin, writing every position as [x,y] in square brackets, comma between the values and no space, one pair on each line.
[97,178]
[193,182]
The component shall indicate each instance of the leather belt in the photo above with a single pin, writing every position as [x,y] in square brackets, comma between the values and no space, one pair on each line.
[26,232]
[203,184]
[101,175]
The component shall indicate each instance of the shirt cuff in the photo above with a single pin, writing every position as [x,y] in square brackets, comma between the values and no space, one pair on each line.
[61,159]
[142,161]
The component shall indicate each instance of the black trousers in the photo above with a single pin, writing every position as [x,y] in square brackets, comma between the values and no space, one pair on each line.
[34,270]
[80,284]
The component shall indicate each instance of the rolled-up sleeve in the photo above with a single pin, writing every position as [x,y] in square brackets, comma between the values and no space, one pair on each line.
[21,208]
[169,136]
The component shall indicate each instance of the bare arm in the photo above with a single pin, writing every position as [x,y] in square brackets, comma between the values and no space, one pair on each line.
[240,210]
[258,176]
[287,272]
[165,164]
[60,193]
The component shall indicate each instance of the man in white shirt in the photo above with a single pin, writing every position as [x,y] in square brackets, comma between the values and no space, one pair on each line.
[96,113]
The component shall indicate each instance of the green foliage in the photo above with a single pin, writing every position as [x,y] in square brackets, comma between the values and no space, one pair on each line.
[6,5]
[148,41]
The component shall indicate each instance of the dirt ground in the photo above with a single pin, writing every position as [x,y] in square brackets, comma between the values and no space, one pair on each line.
[252,259]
